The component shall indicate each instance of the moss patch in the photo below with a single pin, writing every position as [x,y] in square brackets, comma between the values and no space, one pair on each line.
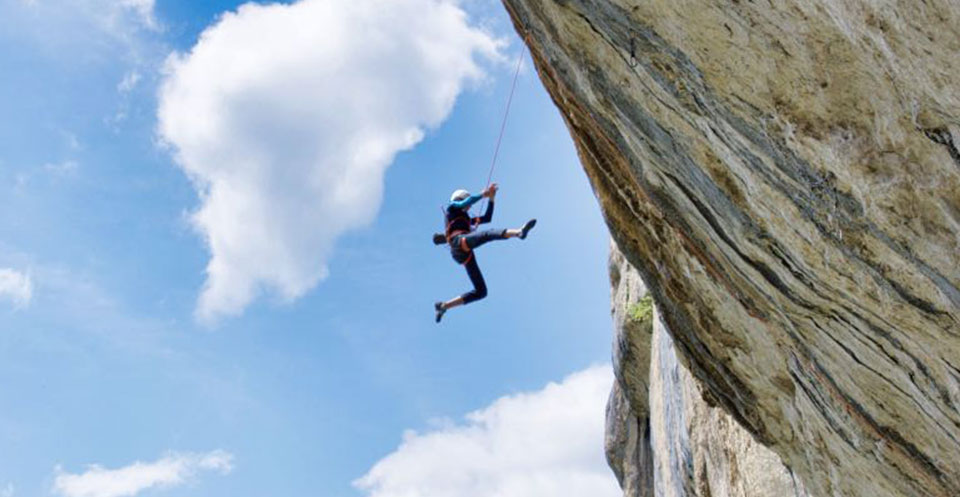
[642,310]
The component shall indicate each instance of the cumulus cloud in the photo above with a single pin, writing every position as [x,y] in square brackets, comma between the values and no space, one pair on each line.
[15,287]
[172,470]
[540,444]
[285,118]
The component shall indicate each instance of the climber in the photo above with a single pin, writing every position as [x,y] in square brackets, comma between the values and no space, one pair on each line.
[462,238]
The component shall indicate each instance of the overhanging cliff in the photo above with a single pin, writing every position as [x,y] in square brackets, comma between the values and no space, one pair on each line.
[786,177]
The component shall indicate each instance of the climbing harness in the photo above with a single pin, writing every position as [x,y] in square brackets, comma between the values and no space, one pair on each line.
[450,234]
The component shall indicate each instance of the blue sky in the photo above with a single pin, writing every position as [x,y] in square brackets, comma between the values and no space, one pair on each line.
[309,381]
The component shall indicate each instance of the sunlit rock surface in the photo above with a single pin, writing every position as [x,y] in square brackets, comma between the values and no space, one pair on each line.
[786,177]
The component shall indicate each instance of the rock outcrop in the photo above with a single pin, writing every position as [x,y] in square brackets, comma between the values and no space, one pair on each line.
[786,178]
[699,450]
[627,443]
[662,438]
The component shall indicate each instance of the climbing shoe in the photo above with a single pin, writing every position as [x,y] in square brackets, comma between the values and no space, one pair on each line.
[526,228]
[440,310]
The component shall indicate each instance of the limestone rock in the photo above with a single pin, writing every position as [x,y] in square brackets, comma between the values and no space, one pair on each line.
[786,177]
[657,421]
[700,451]
[628,415]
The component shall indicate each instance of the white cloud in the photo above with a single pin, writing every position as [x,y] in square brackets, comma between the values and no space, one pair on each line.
[7,491]
[540,444]
[16,287]
[171,470]
[286,117]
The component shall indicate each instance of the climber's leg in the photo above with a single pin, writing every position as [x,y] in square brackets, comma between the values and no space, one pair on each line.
[476,277]
[521,233]
[479,289]
[441,307]
[478,238]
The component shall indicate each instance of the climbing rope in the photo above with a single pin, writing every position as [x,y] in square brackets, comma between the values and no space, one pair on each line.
[506,113]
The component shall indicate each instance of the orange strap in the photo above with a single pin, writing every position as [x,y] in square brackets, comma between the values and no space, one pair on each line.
[463,246]
[466,248]
[455,233]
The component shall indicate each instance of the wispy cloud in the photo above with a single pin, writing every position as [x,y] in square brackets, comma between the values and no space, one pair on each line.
[287,145]
[124,88]
[142,8]
[7,491]
[92,37]
[64,167]
[129,81]
[172,470]
[539,444]
[16,287]
[77,20]
[72,142]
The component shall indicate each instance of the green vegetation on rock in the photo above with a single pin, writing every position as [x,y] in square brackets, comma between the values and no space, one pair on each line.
[642,309]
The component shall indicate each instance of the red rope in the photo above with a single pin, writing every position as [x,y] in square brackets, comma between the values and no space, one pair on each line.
[506,112]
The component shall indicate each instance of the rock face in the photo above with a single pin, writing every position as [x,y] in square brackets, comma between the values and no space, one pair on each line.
[662,438]
[785,175]
[700,451]
[628,410]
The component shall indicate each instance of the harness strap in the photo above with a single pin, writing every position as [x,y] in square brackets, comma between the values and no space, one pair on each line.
[455,233]
[463,246]
[466,248]
[450,234]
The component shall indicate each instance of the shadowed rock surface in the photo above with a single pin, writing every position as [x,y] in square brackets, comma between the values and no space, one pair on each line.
[627,441]
[786,178]
[699,450]
[662,437]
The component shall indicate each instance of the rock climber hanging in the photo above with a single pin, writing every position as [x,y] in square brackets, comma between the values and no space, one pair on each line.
[461,234]
[463,238]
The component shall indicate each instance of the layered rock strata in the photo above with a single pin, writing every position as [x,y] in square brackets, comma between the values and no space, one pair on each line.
[699,450]
[662,438]
[786,177]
